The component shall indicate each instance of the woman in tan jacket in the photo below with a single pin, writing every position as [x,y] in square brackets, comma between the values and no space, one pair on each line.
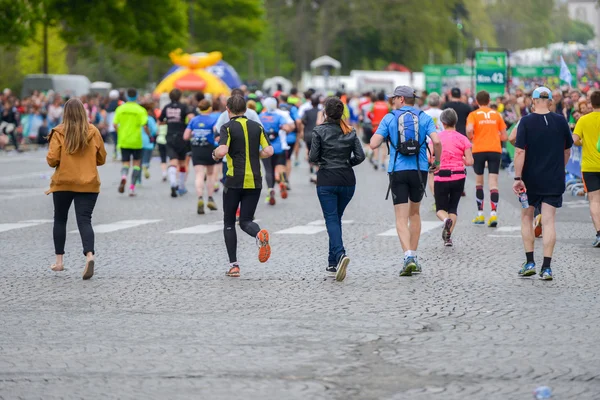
[75,150]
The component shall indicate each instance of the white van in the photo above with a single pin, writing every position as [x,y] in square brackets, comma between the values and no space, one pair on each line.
[65,85]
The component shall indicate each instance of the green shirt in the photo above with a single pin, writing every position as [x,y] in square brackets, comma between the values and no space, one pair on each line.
[130,117]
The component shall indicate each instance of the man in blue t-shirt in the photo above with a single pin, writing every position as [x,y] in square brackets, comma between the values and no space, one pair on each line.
[408,173]
[542,150]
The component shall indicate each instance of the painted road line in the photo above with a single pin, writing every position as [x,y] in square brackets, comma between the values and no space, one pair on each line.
[321,222]
[303,230]
[42,175]
[10,227]
[504,236]
[508,229]
[200,229]
[116,226]
[426,226]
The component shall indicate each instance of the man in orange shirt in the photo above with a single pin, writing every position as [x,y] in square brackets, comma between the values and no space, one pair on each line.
[380,109]
[486,129]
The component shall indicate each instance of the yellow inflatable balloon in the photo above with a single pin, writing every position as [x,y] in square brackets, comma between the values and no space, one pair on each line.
[178,57]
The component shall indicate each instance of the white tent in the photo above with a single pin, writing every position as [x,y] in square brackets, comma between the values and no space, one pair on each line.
[270,85]
[324,62]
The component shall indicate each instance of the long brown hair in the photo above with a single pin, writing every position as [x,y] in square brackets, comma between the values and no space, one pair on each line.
[76,126]
[334,110]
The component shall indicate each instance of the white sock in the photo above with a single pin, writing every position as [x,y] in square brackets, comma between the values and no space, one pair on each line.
[493,213]
[172,171]
[409,253]
[479,213]
[181,180]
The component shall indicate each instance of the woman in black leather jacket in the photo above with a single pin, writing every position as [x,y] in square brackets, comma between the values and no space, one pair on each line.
[335,148]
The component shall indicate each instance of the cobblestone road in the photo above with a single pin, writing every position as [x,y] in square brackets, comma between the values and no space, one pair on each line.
[159,320]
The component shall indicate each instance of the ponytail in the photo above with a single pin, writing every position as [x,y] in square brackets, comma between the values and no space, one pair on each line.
[345,127]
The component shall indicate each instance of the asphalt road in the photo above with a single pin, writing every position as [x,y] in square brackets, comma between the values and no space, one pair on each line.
[160,320]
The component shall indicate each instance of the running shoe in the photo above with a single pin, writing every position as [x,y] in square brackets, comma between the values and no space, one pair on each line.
[88,272]
[417,268]
[297,163]
[212,206]
[409,265]
[217,187]
[283,190]
[182,191]
[122,184]
[446,230]
[596,242]
[341,268]
[527,269]
[546,274]
[132,191]
[332,269]
[173,192]
[146,173]
[234,271]
[164,177]
[538,226]
[264,248]
[288,187]
[493,221]
[200,209]
[479,220]
[237,215]
[448,242]
[271,197]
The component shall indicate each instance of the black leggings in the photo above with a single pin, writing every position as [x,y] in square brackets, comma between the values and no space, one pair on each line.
[269,172]
[162,149]
[448,194]
[247,199]
[84,206]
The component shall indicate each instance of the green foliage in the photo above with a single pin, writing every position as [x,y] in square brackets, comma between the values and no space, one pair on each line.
[579,32]
[30,57]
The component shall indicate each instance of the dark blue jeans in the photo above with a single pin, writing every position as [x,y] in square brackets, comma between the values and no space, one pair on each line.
[334,200]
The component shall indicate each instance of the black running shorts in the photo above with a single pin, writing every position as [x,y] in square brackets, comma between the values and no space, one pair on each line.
[202,155]
[177,150]
[448,194]
[406,185]
[128,154]
[536,200]
[591,181]
[492,159]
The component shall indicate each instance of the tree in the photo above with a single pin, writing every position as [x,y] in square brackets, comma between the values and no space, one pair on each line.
[579,32]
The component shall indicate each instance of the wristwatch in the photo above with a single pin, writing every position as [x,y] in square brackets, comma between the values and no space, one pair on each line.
[517,178]
[436,163]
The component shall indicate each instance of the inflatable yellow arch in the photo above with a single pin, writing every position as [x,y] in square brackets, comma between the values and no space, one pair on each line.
[193,76]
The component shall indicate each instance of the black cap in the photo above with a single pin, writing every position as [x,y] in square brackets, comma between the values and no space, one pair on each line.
[455,92]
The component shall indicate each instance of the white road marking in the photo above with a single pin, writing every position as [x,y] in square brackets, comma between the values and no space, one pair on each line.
[200,229]
[116,226]
[37,221]
[426,226]
[508,229]
[504,236]
[42,175]
[10,194]
[303,230]
[10,227]
[321,222]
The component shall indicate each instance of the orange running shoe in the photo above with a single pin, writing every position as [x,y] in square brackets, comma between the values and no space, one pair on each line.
[264,248]
[234,271]
[538,226]
[283,190]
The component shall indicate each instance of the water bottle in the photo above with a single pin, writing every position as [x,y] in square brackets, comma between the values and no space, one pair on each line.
[523,199]
[543,392]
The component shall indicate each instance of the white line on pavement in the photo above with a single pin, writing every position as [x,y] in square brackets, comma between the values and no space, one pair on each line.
[302,230]
[508,229]
[105,228]
[321,222]
[426,226]
[504,236]
[41,174]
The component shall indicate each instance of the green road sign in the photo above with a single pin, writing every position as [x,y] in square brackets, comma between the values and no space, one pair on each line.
[436,74]
[491,73]
[542,71]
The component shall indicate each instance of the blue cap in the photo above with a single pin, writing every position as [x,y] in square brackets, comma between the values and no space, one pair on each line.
[537,93]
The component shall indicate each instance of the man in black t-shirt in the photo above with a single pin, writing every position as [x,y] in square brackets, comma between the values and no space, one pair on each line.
[462,110]
[175,115]
[542,150]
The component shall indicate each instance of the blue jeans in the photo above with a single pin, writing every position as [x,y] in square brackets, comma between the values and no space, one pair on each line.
[334,200]
[146,157]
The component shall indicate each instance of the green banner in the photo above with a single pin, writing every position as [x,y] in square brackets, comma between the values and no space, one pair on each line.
[542,71]
[436,74]
[491,73]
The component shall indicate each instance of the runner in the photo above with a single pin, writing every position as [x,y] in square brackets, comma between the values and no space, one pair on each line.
[450,180]
[380,109]
[406,129]
[218,168]
[201,132]
[174,115]
[309,121]
[462,110]
[542,151]
[365,107]
[241,141]
[290,113]
[487,130]
[434,111]
[587,135]
[149,140]
[337,150]
[75,150]
[275,124]
[129,120]
[161,141]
